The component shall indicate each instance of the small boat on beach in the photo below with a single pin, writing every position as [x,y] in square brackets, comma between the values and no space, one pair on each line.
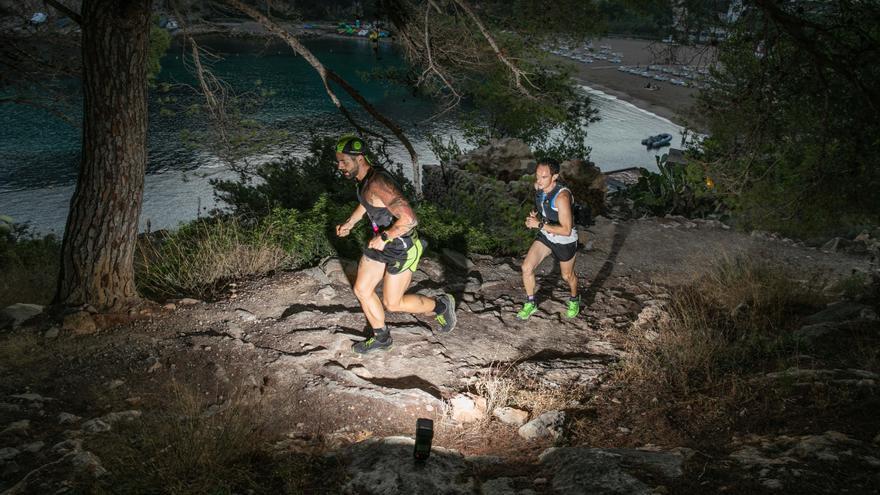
[658,141]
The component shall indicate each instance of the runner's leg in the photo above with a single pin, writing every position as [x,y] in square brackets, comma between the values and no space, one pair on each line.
[395,299]
[369,275]
[569,275]
[535,256]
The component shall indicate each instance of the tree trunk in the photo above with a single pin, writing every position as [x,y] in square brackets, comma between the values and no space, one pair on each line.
[97,258]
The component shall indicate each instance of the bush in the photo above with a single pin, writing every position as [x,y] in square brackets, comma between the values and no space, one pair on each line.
[676,190]
[737,320]
[444,228]
[312,183]
[296,183]
[29,264]
[793,137]
[202,257]
[714,367]
[307,237]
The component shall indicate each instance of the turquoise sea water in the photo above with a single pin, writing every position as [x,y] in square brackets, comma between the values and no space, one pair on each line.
[39,153]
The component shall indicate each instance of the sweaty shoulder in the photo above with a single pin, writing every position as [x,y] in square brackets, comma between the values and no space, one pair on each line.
[564,195]
[383,187]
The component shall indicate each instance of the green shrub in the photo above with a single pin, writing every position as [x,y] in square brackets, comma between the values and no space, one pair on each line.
[675,190]
[298,202]
[297,183]
[307,237]
[445,228]
[29,264]
[202,257]
[792,137]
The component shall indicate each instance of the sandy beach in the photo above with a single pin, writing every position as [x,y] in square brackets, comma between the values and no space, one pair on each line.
[670,101]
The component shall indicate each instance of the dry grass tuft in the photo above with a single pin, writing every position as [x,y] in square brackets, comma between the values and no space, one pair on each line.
[190,448]
[202,257]
[704,375]
[503,384]
[735,320]
[496,385]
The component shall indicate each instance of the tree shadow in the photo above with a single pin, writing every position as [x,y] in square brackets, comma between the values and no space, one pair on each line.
[621,232]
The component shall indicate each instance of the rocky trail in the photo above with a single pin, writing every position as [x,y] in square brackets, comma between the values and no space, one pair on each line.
[285,342]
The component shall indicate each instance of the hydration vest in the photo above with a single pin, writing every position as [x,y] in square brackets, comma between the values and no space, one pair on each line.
[545,204]
[379,216]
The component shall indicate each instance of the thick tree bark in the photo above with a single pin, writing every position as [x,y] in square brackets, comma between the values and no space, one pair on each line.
[97,259]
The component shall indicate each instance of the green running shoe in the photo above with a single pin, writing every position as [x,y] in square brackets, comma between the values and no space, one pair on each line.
[372,344]
[574,307]
[528,310]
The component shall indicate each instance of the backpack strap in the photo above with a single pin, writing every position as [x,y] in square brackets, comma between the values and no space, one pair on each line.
[559,189]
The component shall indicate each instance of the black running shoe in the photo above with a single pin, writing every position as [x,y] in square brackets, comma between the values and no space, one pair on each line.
[372,344]
[447,318]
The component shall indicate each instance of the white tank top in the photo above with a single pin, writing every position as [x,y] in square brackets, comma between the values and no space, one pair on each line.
[556,238]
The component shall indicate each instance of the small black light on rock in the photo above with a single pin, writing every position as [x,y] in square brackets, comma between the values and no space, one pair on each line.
[424,435]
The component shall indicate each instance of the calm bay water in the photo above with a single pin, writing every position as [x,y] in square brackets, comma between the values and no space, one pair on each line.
[39,153]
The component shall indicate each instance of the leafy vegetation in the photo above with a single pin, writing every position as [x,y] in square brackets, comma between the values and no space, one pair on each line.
[160,40]
[642,19]
[29,264]
[294,183]
[676,190]
[470,233]
[202,257]
[499,112]
[792,118]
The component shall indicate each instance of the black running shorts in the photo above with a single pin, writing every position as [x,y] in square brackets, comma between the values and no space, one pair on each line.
[403,253]
[562,252]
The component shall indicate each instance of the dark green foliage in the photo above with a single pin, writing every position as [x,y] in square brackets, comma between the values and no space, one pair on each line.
[295,183]
[308,236]
[675,190]
[571,142]
[312,183]
[160,40]
[636,18]
[29,264]
[304,236]
[573,18]
[793,118]
[502,235]
[502,111]
[485,217]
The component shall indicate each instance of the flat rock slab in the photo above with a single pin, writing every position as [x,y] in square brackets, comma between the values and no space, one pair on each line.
[837,312]
[386,467]
[14,315]
[608,471]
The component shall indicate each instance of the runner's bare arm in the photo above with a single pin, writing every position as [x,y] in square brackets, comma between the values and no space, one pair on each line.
[344,229]
[384,191]
[566,220]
